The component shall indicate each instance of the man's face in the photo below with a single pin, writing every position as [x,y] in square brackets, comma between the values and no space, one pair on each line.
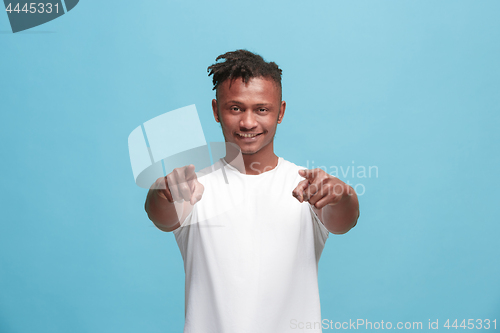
[249,113]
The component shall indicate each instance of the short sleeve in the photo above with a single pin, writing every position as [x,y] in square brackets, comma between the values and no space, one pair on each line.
[320,233]
[180,232]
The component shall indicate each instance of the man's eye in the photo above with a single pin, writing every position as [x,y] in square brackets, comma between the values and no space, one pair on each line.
[235,108]
[262,110]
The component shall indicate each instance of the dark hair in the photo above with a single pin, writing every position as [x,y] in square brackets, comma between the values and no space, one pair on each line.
[244,64]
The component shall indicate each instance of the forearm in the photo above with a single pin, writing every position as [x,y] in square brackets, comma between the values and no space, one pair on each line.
[341,217]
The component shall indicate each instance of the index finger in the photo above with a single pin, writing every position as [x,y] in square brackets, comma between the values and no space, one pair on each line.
[189,172]
[308,174]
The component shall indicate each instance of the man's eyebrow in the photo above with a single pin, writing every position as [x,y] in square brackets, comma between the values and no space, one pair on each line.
[234,102]
[258,104]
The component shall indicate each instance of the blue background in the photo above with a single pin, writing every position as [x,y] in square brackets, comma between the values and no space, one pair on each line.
[411,87]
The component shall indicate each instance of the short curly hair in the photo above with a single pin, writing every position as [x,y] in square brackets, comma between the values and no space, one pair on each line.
[244,64]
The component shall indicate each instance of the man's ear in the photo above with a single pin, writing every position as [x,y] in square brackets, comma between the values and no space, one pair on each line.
[282,112]
[214,110]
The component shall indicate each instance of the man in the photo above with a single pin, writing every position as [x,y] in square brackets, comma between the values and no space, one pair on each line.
[251,230]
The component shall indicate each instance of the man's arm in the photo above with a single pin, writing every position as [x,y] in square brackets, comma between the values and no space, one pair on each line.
[341,217]
[170,199]
[335,202]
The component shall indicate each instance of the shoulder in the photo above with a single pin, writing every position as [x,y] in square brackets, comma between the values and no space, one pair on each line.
[290,170]
[287,165]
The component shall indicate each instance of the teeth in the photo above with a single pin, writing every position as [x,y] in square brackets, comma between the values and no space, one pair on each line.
[247,135]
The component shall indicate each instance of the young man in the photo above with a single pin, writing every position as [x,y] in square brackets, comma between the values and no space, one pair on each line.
[251,230]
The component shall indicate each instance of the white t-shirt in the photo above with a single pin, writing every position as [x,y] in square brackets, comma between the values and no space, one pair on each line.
[251,253]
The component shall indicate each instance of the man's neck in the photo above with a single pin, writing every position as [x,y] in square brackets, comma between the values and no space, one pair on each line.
[252,164]
[255,165]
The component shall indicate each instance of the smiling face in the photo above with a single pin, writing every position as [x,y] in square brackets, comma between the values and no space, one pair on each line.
[249,114]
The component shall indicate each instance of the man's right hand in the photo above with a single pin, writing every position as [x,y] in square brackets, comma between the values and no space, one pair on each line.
[182,185]
[182,189]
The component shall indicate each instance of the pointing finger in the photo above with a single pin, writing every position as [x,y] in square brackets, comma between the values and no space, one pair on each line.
[189,172]
[304,173]
[309,174]
[182,186]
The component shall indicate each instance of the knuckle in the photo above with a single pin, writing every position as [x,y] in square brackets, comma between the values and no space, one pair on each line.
[183,187]
[155,185]
[178,171]
[170,178]
[158,181]
[162,184]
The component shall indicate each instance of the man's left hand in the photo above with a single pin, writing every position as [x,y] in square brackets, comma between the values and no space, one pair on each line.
[320,189]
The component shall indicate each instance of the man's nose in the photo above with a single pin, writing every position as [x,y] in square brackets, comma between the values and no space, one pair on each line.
[248,120]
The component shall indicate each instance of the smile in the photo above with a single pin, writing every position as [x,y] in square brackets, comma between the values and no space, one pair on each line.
[248,135]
